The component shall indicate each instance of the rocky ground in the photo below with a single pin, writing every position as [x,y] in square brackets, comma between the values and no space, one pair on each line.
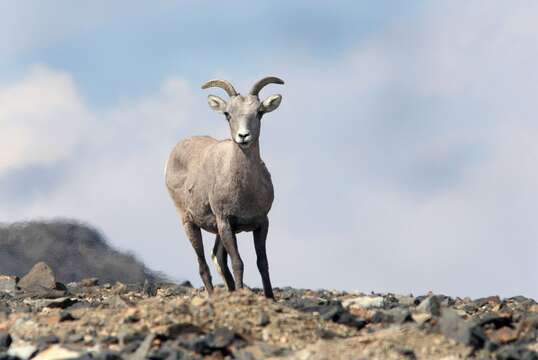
[43,319]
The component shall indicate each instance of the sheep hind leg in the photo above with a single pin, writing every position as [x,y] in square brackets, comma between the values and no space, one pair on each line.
[260,236]
[220,259]
[195,236]
[229,241]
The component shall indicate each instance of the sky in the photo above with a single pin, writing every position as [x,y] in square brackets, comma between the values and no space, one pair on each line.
[403,154]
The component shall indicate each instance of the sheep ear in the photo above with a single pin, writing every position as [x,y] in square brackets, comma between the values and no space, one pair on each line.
[271,103]
[216,103]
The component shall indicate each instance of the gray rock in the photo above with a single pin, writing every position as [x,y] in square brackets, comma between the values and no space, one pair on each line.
[430,305]
[56,352]
[60,303]
[45,341]
[88,282]
[149,288]
[118,301]
[23,352]
[181,329]
[405,300]
[43,293]
[366,302]
[144,348]
[515,352]
[41,275]
[396,315]
[5,341]
[220,338]
[465,332]
[263,319]
[8,283]
[8,357]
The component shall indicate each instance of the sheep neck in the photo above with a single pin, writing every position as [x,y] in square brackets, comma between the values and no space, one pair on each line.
[246,158]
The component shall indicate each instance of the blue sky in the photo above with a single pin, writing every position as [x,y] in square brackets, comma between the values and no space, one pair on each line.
[403,154]
[128,49]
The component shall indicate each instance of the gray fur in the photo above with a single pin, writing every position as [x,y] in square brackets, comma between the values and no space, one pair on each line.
[223,187]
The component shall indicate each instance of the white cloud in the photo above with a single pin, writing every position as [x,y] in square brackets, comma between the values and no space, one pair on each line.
[43,103]
[112,161]
[417,170]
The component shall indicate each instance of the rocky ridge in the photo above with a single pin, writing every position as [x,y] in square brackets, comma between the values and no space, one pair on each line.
[74,250]
[42,319]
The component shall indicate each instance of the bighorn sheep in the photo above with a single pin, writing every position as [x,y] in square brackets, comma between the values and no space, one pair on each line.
[223,186]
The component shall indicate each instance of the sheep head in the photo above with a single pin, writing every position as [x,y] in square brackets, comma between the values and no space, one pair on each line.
[244,113]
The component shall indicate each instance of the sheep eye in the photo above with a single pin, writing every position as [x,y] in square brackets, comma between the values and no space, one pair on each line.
[227,114]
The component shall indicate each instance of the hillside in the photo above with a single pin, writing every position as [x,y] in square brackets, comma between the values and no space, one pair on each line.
[74,250]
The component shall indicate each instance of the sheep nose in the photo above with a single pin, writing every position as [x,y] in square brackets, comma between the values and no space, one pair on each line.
[243,135]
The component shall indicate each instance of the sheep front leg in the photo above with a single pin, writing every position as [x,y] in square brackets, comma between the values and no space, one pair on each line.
[229,241]
[195,236]
[260,236]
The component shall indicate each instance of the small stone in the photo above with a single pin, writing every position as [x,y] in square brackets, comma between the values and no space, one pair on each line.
[44,293]
[41,275]
[405,300]
[169,353]
[263,319]
[421,318]
[198,301]
[366,302]
[494,320]
[57,352]
[129,337]
[516,352]
[23,352]
[244,355]
[60,303]
[45,341]
[119,288]
[143,350]
[503,335]
[8,283]
[66,316]
[491,300]
[220,338]
[89,282]
[74,338]
[149,288]
[118,301]
[8,357]
[5,341]
[186,283]
[105,355]
[110,340]
[392,316]
[180,329]
[407,353]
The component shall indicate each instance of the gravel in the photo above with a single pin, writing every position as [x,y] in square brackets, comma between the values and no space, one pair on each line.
[153,320]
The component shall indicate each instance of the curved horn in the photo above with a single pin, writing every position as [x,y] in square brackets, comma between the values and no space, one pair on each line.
[261,83]
[221,84]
